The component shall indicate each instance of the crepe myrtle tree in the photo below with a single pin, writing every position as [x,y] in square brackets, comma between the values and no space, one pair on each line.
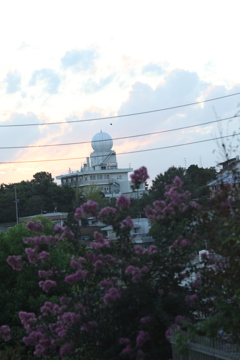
[122,299]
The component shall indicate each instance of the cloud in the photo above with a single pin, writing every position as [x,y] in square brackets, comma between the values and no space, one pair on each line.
[13,82]
[179,87]
[79,60]
[152,69]
[50,77]
[92,86]
[19,135]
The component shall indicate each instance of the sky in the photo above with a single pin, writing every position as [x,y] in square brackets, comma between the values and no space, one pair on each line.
[63,61]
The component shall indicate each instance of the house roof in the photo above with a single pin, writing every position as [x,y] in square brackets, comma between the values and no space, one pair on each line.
[229,178]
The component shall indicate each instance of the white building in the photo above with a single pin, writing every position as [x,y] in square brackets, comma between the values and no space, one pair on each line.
[101,169]
[139,232]
[229,174]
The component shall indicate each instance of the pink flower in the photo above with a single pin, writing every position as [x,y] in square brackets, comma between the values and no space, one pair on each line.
[76,263]
[5,332]
[66,350]
[153,249]
[107,214]
[15,261]
[139,176]
[127,222]
[139,249]
[47,285]
[74,278]
[78,214]
[89,326]
[107,283]
[185,242]
[127,349]
[191,299]
[142,337]
[27,319]
[145,320]
[177,182]
[90,208]
[45,274]
[112,295]
[35,226]
[123,202]
[44,256]
[32,255]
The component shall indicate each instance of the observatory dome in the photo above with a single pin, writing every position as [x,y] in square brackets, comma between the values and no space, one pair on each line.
[102,142]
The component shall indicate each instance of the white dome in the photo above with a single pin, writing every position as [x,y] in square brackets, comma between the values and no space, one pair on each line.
[102,142]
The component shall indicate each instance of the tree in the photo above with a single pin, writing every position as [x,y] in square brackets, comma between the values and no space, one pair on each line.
[94,193]
[157,189]
[42,177]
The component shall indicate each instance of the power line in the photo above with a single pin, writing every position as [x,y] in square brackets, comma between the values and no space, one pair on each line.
[124,153]
[119,138]
[124,115]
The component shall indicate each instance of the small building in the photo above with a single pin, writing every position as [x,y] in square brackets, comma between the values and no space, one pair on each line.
[101,169]
[139,232]
[228,174]
[55,217]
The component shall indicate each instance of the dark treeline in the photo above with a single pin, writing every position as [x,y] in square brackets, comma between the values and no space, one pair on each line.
[41,194]
[35,196]
[194,178]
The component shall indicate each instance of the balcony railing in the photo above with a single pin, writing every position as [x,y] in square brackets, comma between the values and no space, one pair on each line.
[203,348]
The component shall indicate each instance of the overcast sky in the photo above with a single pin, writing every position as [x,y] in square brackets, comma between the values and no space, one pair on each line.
[70,60]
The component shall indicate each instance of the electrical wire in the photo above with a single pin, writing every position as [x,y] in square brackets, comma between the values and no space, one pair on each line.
[119,138]
[124,153]
[124,115]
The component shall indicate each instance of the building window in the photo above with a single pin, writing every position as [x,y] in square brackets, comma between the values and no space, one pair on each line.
[92,177]
[103,167]
[119,176]
[85,178]
[106,176]
[99,177]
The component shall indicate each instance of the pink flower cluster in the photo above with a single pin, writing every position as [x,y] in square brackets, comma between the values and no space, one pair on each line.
[176,200]
[86,210]
[47,285]
[35,226]
[41,240]
[76,277]
[27,319]
[99,242]
[108,215]
[180,243]
[112,295]
[5,332]
[139,176]
[16,262]
[123,202]
[34,257]
[136,272]
[180,323]
[63,232]
[127,223]
[191,299]
[142,338]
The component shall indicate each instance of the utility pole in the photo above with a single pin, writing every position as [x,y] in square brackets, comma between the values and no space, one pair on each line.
[16,203]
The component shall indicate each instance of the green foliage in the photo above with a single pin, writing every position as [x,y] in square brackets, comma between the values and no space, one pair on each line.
[35,196]
[94,193]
